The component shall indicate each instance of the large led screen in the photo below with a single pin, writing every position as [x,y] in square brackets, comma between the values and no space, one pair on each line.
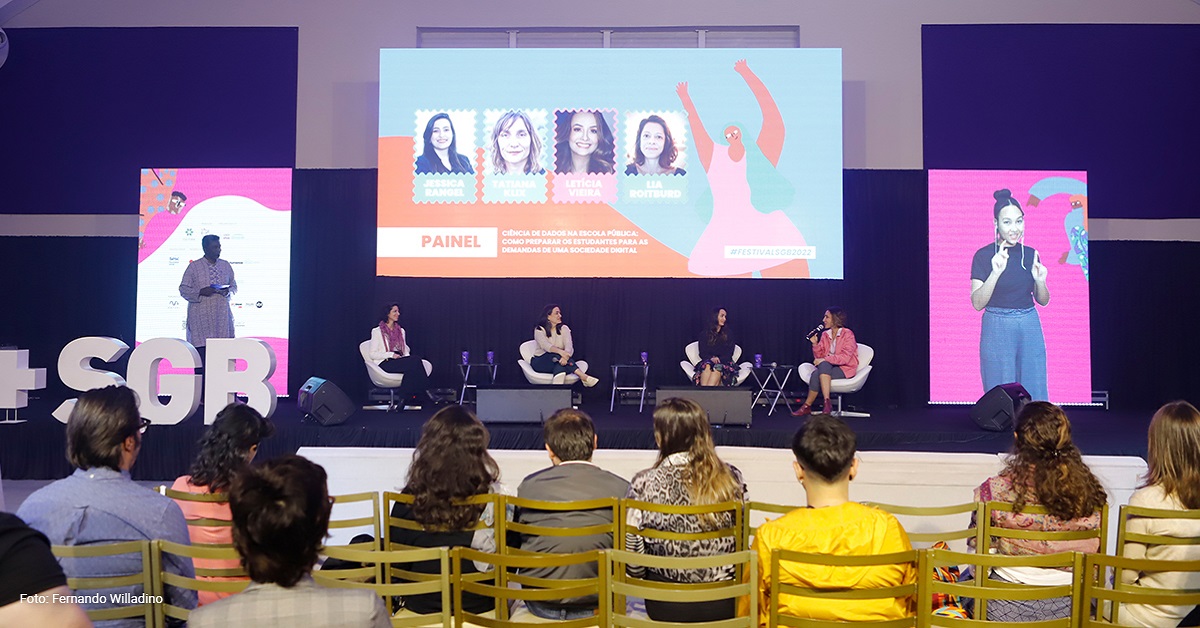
[610,163]
[250,211]
[1008,284]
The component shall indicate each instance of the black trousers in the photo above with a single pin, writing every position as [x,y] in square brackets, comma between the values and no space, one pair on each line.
[415,379]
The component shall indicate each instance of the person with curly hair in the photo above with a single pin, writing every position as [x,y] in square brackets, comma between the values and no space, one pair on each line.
[225,449]
[451,463]
[1044,469]
[687,472]
[1172,483]
[280,521]
[583,143]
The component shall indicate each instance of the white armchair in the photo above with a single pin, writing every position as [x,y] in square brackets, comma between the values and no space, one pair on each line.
[382,378]
[839,387]
[534,377]
[692,351]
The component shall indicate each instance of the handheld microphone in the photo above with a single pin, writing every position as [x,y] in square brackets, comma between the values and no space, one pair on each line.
[820,328]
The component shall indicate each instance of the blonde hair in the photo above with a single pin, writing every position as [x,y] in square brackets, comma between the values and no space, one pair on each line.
[1174,452]
[681,425]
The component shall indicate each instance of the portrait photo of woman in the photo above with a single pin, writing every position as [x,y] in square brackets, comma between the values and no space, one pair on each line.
[439,154]
[654,150]
[583,143]
[516,147]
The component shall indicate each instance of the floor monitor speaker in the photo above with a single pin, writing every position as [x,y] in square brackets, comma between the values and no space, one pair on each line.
[997,408]
[324,401]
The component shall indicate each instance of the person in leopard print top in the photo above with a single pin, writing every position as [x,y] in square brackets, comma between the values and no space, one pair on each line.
[687,472]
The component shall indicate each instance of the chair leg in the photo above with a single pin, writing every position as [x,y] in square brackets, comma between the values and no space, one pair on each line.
[846,413]
[392,404]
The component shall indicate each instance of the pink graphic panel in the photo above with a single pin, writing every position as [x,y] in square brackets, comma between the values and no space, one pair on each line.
[961,223]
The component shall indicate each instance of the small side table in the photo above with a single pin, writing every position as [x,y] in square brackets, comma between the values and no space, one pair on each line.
[465,369]
[616,368]
[771,384]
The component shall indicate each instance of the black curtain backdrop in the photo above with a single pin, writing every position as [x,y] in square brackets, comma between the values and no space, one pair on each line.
[1142,321]
[334,305]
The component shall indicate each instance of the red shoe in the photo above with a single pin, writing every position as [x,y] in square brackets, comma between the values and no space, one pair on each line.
[828,408]
[803,410]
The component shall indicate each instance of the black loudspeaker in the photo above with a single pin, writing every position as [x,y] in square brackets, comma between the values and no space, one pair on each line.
[324,401]
[725,405]
[520,405]
[997,408]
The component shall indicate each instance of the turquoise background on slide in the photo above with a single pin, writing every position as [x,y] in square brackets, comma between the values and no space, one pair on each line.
[806,84]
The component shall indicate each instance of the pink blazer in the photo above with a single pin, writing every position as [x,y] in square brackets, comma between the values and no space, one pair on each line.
[846,355]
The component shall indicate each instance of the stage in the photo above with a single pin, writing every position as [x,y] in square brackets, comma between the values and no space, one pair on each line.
[35,450]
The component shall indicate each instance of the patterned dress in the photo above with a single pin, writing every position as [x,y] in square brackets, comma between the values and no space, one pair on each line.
[208,316]
[1000,489]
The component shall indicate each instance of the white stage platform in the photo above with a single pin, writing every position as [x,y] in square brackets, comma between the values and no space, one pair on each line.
[907,478]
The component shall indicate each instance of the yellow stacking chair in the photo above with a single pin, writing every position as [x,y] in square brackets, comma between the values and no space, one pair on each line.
[386,575]
[844,597]
[88,585]
[497,582]
[164,578]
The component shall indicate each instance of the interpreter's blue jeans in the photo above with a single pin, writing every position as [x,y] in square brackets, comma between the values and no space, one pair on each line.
[553,611]
[1013,349]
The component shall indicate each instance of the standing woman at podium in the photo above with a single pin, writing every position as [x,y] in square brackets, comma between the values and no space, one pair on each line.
[554,348]
[1006,278]
[389,349]
[716,367]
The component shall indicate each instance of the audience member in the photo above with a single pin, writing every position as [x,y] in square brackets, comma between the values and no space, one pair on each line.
[832,524]
[225,449]
[1045,469]
[687,472]
[30,580]
[570,440]
[280,521]
[1172,483]
[99,503]
[451,463]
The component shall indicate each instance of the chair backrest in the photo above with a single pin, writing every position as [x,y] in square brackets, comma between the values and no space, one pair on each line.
[737,353]
[143,578]
[202,498]
[1096,584]
[352,514]
[390,499]
[527,348]
[364,349]
[843,597]
[1124,535]
[164,578]
[1184,539]
[517,505]
[379,567]
[991,530]
[865,354]
[735,529]
[983,589]
[758,513]
[930,524]
[506,569]
[619,585]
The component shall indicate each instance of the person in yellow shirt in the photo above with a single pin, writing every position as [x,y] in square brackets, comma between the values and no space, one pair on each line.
[832,524]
